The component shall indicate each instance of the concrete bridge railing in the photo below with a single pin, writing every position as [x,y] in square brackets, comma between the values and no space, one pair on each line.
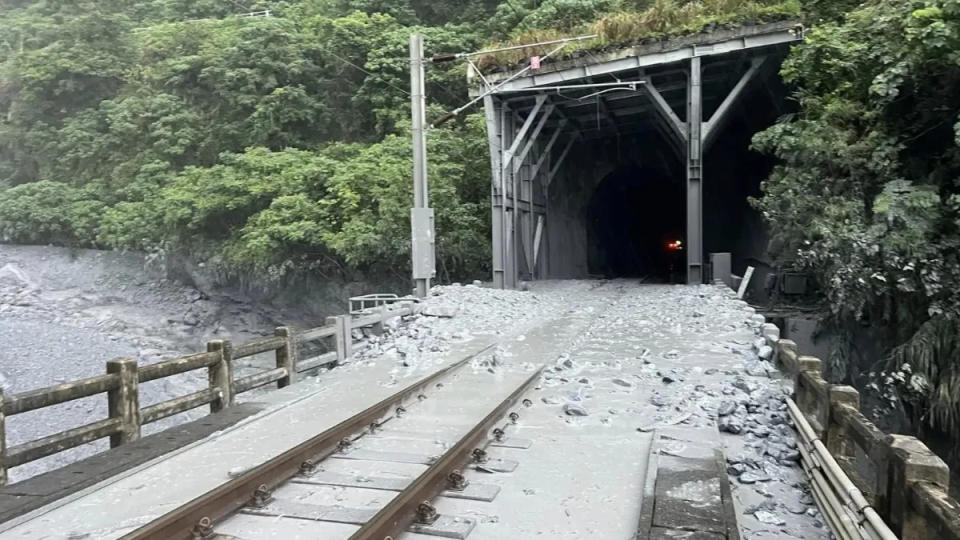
[123,377]
[902,479]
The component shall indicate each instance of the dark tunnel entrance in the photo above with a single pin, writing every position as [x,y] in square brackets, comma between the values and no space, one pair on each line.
[634,218]
[600,176]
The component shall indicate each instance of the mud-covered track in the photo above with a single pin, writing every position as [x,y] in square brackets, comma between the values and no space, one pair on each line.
[250,493]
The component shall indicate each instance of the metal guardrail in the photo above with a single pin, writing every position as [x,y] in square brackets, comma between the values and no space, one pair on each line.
[363,304]
[858,472]
[124,375]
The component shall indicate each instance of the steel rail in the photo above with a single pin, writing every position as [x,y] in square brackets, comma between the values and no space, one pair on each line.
[402,510]
[213,506]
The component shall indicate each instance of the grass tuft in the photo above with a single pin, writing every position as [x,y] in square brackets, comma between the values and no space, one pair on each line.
[662,19]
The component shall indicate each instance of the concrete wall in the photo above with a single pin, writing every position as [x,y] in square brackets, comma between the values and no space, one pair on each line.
[569,194]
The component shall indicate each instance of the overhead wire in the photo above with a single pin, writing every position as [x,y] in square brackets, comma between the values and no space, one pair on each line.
[355,66]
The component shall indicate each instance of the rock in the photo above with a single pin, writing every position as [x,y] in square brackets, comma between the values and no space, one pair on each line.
[757,370]
[671,354]
[745,385]
[659,401]
[769,518]
[550,400]
[731,424]
[792,455]
[736,469]
[584,380]
[765,352]
[621,382]
[761,431]
[574,410]
[795,508]
[768,506]
[726,408]
[444,312]
[751,477]
[668,379]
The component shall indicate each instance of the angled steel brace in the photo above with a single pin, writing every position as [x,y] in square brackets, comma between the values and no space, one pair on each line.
[537,238]
[518,161]
[711,128]
[556,166]
[546,149]
[610,116]
[678,127]
[518,140]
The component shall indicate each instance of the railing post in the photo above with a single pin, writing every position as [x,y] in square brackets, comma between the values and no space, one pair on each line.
[806,397]
[220,374]
[378,326]
[343,336]
[287,356]
[123,402]
[837,441]
[910,462]
[3,443]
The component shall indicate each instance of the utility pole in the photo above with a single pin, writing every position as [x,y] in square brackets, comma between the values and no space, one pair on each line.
[421,215]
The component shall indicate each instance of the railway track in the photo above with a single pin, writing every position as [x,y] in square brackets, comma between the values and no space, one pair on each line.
[427,428]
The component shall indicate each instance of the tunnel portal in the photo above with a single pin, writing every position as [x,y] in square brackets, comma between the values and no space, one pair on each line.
[636,163]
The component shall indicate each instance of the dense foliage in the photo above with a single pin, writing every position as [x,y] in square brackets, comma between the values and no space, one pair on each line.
[867,197]
[268,144]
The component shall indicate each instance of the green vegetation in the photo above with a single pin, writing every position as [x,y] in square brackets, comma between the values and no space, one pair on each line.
[867,196]
[619,24]
[267,145]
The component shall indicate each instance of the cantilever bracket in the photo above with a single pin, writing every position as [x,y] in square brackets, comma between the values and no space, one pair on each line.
[546,150]
[711,128]
[518,161]
[678,127]
[556,166]
[508,155]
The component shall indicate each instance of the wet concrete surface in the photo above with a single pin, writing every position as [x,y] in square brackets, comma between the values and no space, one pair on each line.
[624,361]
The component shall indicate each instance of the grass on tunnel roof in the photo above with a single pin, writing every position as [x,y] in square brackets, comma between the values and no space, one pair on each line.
[662,20]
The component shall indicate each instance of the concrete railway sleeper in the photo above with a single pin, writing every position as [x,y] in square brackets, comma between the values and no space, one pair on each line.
[250,496]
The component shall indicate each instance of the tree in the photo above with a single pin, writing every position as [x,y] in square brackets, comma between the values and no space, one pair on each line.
[866,196]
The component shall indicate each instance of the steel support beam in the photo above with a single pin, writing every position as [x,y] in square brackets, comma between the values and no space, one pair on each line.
[633,58]
[518,140]
[507,189]
[518,162]
[493,110]
[547,149]
[677,127]
[711,128]
[602,103]
[695,175]
[556,166]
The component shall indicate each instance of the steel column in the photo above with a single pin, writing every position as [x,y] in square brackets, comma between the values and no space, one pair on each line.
[509,209]
[694,175]
[493,109]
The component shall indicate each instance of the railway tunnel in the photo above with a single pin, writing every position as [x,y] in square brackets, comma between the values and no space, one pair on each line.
[635,162]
